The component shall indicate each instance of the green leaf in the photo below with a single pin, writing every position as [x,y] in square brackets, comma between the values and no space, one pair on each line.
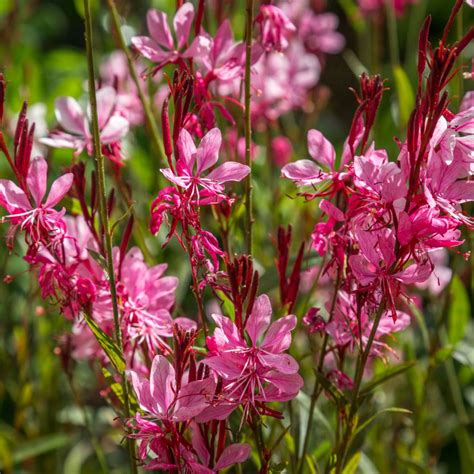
[388,374]
[38,446]
[114,385]
[124,216]
[107,344]
[373,417]
[459,311]
[99,259]
[227,305]
[352,465]
[310,463]
[406,98]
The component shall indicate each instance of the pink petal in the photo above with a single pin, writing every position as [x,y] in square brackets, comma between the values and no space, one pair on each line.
[162,378]
[259,319]
[116,128]
[229,171]
[187,148]
[218,412]
[303,172]
[331,210]
[283,363]
[222,39]
[320,149]
[12,198]
[208,150]
[64,140]
[58,190]
[148,48]
[106,99]
[142,390]
[182,23]
[233,454]
[37,178]
[199,444]
[287,384]
[199,48]
[362,269]
[158,28]
[193,398]
[70,115]
[224,365]
[278,337]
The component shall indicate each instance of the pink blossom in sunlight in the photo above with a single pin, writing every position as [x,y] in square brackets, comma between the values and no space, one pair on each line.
[74,123]
[350,326]
[274,28]
[27,211]
[253,365]
[160,47]
[194,161]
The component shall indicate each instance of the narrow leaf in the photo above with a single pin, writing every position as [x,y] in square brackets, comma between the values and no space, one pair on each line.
[459,311]
[373,417]
[384,376]
[107,344]
[406,97]
[352,465]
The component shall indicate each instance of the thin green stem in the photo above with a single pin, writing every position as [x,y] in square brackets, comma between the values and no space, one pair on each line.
[248,127]
[316,389]
[149,117]
[361,363]
[100,169]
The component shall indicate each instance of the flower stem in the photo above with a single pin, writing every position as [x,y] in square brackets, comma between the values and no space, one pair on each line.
[150,118]
[100,169]
[248,127]
[316,389]
[361,363]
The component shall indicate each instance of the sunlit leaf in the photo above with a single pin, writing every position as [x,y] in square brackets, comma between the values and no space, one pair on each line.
[459,310]
[107,344]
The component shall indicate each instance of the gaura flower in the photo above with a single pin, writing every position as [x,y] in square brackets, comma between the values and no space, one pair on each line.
[75,130]
[252,364]
[192,164]
[26,208]
[161,398]
[274,28]
[161,47]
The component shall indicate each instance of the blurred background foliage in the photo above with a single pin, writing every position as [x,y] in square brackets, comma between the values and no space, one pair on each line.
[44,408]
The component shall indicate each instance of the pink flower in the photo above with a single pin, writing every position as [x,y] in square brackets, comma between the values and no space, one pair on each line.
[225,59]
[255,371]
[319,33]
[378,180]
[161,48]
[193,162]
[307,172]
[272,75]
[348,326]
[376,260]
[115,72]
[161,398]
[274,28]
[450,166]
[281,150]
[147,297]
[42,223]
[441,275]
[76,134]
[232,454]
